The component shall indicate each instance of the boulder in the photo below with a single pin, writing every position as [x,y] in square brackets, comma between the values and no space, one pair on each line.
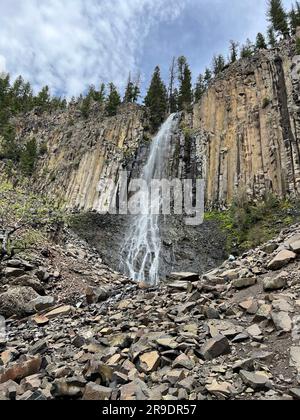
[94,392]
[21,370]
[61,311]
[39,347]
[11,272]
[181,285]
[244,282]
[183,361]
[282,321]
[29,281]
[220,389]
[15,301]
[295,357]
[42,303]
[149,362]
[281,260]
[9,390]
[135,390]
[256,381]
[217,346]
[263,313]
[295,393]
[97,294]
[295,247]
[276,283]
[184,276]
[254,331]
[68,387]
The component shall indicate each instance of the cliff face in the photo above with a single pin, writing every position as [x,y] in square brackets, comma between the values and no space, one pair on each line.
[83,154]
[248,128]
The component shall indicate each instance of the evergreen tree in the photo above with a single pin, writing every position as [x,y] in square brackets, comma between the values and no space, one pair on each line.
[294,17]
[86,105]
[261,42]
[278,17]
[99,96]
[207,77]
[129,92]
[247,49]
[218,64]
[173,92]
[9,148]
[272,37]
[43,99]
[132,91]
[181,63]
[28,157]
[233,51]
[200,88]
[157,100]
[185,99]
[113,100]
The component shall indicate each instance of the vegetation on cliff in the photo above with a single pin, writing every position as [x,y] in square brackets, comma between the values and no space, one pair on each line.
[24,218]
[248,224]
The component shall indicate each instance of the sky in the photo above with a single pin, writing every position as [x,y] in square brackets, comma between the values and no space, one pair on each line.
[71,44]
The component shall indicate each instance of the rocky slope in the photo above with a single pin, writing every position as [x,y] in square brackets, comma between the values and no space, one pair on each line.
[233,333]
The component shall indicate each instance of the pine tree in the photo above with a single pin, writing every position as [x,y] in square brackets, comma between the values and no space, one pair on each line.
[173,92]
[43,99]
[200,88]
[218,64]
[185,99]
[247,49]
[113,101]
[207,77]
[233,51]
[86,105]
[294,17]
[100,95]
[261,42]
[9,148]
[157,100]
[278,17]
[28,157]
[129,91]
[272,37]
[132,91]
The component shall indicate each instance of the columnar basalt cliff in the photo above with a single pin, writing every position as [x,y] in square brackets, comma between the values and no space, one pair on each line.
[247,127]
[82,154]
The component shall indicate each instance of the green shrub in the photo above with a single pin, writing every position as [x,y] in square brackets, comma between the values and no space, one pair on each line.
[28,157]
[248,225]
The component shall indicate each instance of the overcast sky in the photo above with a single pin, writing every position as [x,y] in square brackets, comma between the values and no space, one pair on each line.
[70,44]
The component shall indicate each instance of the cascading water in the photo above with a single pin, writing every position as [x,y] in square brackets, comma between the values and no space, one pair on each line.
[141,251]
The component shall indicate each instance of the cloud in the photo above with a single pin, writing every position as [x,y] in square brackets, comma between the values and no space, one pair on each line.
[70,44]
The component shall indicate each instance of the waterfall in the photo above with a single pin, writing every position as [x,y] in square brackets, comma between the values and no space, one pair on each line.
[141,250]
